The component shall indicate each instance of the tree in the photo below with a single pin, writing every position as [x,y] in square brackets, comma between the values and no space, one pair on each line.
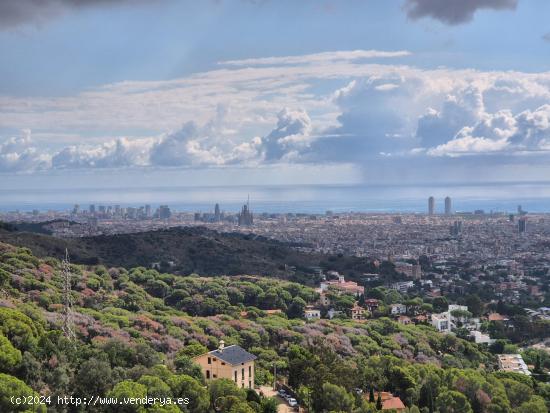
[241,407]
[475,305]
[10,357]
[192,350]
[296,308]
[371,395]
[440,304]
[155,386]
[186,386]
[94,376]
[128,389]
[13,387]
[224,389]
[336,398]
[451,401]
[534,405]
[185,365]
[379,402]
[518,393]
[269,405]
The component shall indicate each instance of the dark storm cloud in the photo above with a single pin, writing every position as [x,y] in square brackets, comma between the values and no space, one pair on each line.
[18,12]
[454,12]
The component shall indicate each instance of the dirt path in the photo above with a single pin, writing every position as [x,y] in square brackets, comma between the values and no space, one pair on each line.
[269,392]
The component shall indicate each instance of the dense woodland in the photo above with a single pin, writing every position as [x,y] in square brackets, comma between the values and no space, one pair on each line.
[137,331]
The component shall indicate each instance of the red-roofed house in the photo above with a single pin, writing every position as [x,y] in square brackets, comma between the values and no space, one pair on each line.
[389,402]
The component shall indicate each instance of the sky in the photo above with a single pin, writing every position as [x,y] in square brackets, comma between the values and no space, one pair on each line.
[220,92]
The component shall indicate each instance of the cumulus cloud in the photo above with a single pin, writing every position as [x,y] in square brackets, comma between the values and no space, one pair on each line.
[19,154]
[463,108]
[453,12]
[113,154]
[526,132]
[316,58]
[375,116]
[18,12]
[290,138]
[349,112]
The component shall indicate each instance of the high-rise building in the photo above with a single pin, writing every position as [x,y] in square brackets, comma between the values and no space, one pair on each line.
[76,209]
[148,211]
[217,213]
[92,209]
[164,212]
[431,205]
[448,206]
[456,228]
[522,225]
[245,217]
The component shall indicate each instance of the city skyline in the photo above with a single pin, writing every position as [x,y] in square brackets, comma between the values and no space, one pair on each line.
[313,105]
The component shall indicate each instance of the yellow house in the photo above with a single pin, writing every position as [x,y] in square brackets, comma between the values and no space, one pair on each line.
[231,362]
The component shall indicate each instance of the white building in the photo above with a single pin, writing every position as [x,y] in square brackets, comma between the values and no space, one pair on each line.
[481,338]
[312,313]
[403,286]
[513,363]
[397,309]
[442,322]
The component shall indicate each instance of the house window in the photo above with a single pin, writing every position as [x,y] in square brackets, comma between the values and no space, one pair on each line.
[242,374]
[214,375]
[249,384]
[209,360]
[235,373]
[207,374]
[249,371]
[223,364]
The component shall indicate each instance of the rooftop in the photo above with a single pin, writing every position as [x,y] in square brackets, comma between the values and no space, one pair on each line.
[233,355]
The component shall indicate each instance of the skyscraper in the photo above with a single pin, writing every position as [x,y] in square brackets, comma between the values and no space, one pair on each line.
[522,225]
[456,228]
[431,205]
[217,213]
[448,206]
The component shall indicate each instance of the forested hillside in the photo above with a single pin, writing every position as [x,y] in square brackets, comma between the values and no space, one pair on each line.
[186,251]
[137,330]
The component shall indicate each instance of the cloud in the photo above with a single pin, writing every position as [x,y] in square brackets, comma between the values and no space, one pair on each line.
[18,154]
[453,12]
[546,37]
[291,136]
[333,112]
[466,107]
[18,12]
[317,58]
[114,154]
[526,132]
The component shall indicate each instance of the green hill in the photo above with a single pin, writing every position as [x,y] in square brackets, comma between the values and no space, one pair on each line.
[189,250]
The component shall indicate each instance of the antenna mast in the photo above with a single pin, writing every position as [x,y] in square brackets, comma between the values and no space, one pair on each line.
[68,318]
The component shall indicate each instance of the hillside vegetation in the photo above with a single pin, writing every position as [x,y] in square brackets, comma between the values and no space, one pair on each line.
[187,251]
[138,329]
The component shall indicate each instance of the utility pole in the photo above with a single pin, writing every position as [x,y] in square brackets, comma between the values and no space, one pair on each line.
[274,376]
[68,319]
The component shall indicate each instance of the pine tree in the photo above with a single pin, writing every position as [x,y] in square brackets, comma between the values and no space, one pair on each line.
[371,395]
[379,402]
